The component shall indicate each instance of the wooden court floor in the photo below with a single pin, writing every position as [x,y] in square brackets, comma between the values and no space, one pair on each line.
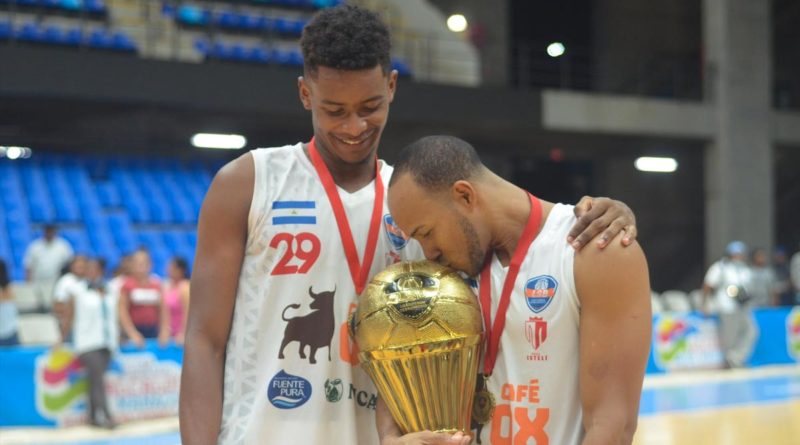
[747,407]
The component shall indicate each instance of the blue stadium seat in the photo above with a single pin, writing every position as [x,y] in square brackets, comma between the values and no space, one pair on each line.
[288,26]
[288,57]
[402,68]
[100,39]
[73,37]
[122,42]
[220,50]
[72,5]
[256,22]
[202,46]
[95,6]
[6,30]
[192,15]
[29,32]
[227,19]
[259,54]
[238,52]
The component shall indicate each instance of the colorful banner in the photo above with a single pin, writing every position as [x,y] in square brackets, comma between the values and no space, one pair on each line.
[685,341]
[41,386]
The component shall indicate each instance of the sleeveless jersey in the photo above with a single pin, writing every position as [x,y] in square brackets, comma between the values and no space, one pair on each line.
[535,379]
[291,375]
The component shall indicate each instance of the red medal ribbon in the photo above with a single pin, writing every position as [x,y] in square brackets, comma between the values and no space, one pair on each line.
[358,271]
[493,332]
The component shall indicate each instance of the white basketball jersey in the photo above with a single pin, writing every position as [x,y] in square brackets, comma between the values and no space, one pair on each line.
[291,375]
[535,379]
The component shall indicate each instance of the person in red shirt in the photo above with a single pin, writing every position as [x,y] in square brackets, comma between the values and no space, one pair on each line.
[141,297]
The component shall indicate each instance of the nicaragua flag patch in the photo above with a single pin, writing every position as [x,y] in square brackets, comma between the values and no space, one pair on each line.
[539,292]
[294,212]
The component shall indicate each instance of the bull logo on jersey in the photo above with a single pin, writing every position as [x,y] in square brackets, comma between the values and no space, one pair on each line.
[395,235]
[314,329]
[539,292]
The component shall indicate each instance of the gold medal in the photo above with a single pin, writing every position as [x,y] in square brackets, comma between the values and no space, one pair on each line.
[483,406]
[483,402]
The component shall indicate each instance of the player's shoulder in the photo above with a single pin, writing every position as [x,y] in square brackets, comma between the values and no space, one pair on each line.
[277,153]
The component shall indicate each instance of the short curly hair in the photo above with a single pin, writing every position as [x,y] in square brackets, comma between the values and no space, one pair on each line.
[346,37]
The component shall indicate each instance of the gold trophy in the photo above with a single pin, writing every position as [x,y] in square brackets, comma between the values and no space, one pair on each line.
[419,331]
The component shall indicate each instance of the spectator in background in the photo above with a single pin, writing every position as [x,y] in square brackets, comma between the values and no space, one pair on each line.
[763,282]
[141,298]
[63,292]
[8,310]
[121,273]
[794,268]
[728,282]
[784,293]
[176,298]
[44,259]
[95,335]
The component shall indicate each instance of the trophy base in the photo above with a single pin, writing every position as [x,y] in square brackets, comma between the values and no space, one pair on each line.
[428,386]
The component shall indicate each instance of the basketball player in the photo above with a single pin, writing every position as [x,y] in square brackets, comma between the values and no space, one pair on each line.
[568,333]
[287,238]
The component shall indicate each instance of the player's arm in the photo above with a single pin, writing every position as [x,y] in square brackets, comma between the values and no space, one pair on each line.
[602,215]
[390,433]
[221,239]
[615,327]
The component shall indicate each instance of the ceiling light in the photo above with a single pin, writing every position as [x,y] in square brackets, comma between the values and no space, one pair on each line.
[457,23]
[657,165]
[219,141]
[556,49]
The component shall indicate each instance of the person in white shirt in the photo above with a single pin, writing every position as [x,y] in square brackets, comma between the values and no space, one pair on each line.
[44,259]
[729,281]
[64,288]
[764,281]
[95,335]
[9,322]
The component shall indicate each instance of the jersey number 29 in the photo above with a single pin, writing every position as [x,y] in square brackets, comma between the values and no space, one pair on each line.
[305,246]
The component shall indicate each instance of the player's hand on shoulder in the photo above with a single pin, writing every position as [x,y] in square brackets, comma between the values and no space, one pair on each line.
[428,438]
[604,216]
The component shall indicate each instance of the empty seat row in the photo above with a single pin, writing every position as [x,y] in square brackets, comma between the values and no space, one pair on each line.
[246,53]
[91,6]
[98,38]
[195,16]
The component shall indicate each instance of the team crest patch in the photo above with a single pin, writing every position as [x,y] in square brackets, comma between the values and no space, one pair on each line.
[288,391]
[539,292]
[395,235]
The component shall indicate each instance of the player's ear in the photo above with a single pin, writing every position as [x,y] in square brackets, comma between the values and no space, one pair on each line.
[463,193]
[305,92]
[392,84]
